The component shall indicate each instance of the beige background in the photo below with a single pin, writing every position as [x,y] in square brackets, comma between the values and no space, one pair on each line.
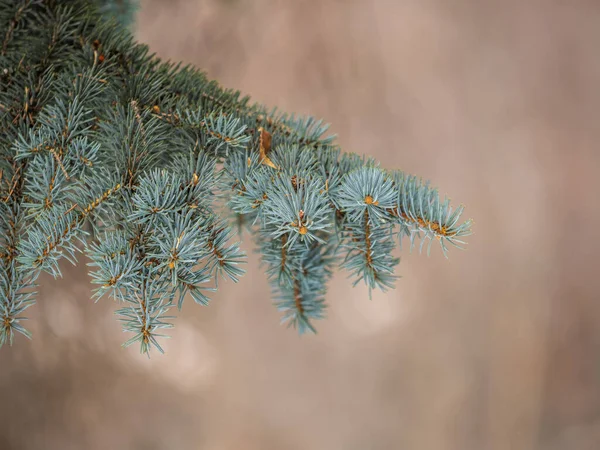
[497,102]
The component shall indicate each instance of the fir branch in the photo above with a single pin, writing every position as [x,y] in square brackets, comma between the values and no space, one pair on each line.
[419,209]
[143,161]
[145,315]
[225,258]
[56,229]
[16,288]
[18,15]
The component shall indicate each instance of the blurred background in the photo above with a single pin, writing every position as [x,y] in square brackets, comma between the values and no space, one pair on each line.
[498,347]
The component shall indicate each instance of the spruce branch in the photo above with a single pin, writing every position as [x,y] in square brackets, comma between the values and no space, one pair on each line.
[147,166]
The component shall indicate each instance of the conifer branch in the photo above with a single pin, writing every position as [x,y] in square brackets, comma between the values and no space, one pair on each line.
[12,25]
[55,230]
[142,162]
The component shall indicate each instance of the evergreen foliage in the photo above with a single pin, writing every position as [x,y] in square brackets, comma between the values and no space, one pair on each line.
[146,167]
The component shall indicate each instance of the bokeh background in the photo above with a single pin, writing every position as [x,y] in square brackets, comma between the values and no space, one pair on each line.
[498,347]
